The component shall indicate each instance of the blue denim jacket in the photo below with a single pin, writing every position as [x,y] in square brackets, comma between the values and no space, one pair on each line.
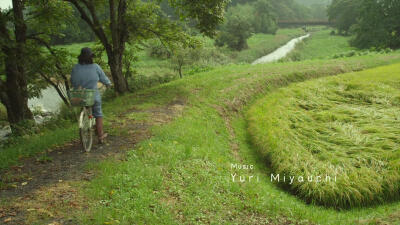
[87,76]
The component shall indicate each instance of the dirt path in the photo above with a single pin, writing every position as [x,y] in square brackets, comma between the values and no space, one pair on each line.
[49,189]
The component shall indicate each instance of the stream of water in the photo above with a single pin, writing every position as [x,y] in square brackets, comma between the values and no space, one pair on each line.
[280,52]
[49,102]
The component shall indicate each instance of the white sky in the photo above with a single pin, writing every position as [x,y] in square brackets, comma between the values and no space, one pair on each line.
[5,4]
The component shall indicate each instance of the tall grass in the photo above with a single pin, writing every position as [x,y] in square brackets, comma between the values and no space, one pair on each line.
[344,127]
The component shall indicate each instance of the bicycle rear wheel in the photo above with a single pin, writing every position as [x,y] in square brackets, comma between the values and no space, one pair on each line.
[86,128]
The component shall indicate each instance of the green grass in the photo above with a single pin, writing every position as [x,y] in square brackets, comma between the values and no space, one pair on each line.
[345,127]
[321,45]
[138,116]
[75,49]
[183,173]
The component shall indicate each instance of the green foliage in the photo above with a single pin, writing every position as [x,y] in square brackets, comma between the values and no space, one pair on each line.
[283,9]
[255,17]
[290,10]
[378,25]
[184,56]
[319,11]
[47,17]
[237,28]
[263,19]
[128,60]
[344,14]
[207,14]
[317,8]
[157,49]
[26,28]
[74,30]
[343,127]
[374,23]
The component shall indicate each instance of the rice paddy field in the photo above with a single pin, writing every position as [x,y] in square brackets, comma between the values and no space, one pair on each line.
[345,127]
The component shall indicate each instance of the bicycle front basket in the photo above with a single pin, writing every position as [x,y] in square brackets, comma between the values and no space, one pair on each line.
[82,97]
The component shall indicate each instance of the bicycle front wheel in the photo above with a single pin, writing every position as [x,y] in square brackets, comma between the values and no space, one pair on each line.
[85,129]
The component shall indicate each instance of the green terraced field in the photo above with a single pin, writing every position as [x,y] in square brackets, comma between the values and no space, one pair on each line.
[346,127]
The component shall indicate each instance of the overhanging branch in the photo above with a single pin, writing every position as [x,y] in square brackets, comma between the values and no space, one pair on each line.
[58,66]
[94,22]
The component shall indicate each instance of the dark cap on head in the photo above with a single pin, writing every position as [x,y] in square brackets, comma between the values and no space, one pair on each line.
[86,52]
[86,56]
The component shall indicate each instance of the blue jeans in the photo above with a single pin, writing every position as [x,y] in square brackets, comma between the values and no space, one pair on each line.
[96,109]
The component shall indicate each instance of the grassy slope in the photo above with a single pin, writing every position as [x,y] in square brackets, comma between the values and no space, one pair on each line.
[320,45]
[183,174]
[344,126]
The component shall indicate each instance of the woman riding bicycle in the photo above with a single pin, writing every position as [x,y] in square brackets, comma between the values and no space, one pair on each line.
[87,74]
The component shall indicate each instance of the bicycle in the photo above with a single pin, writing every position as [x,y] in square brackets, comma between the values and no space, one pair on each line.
[84,98]
[86,124]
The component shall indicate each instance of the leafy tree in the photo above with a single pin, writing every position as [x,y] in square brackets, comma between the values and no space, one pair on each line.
[290,10]
[185,56]
[378,25]
[244,19]
[14,84]
[22,28]
[264,21]
[136,20]
[157,49]
[237,28]
[344,14]
[318,11]
[74,30]
[287,9]
[53,65]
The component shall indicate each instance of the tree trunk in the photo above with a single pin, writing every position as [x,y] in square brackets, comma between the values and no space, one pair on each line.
[14,93]
[115,63]
[15,99]
[180,71]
